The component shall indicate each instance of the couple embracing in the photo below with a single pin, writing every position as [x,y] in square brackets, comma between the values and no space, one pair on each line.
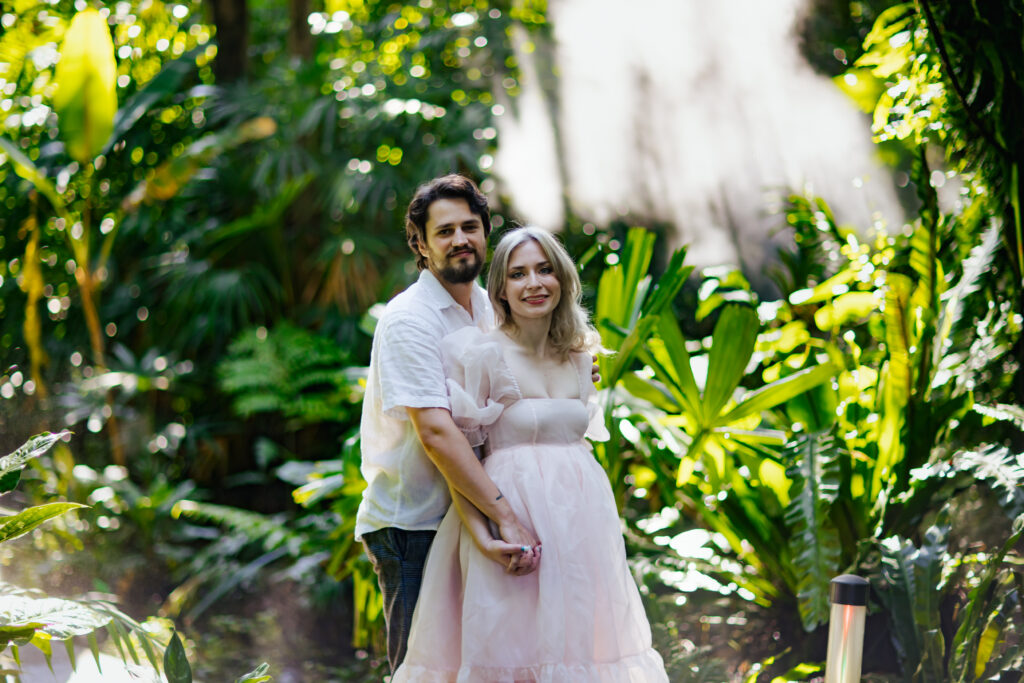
[477,409]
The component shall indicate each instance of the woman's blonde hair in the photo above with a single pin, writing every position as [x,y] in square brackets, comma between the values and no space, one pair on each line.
[570,325]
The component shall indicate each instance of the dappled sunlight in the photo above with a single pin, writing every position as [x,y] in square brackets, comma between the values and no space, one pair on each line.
[799,235]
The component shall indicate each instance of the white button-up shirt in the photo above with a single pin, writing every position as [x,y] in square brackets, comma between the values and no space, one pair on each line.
[404,488]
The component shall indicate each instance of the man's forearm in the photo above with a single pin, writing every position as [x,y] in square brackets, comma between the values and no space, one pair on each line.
[451,454]
[472,518]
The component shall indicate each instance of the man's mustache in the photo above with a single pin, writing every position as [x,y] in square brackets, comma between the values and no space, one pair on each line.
[456,252]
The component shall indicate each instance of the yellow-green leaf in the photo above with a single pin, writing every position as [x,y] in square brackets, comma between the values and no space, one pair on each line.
[846,308]
[986,644]
[86,96]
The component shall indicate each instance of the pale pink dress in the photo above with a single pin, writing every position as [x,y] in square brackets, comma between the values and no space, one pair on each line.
[579,618]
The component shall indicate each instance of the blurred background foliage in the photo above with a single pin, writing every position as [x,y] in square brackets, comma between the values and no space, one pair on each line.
[202,214]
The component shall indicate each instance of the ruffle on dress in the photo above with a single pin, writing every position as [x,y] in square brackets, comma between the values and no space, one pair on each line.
[480,385]
[646,666]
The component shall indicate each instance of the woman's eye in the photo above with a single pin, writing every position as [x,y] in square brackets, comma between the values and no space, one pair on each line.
[516,275]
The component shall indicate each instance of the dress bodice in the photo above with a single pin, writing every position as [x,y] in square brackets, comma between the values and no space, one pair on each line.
[540,421]
[488,405]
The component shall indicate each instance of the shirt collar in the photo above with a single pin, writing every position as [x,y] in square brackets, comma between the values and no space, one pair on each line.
[440,297]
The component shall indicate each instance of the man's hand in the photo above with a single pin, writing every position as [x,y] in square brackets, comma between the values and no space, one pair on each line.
[595,371]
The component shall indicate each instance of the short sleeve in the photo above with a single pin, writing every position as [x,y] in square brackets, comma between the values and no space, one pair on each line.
[410,365]
[479,384]
[597,430]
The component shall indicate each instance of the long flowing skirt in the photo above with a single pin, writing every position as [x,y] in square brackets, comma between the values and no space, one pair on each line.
[578,618]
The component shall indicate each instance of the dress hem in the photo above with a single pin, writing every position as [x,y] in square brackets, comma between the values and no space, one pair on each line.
[646,666]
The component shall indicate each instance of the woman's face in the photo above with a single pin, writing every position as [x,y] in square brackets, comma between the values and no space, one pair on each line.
[531,288]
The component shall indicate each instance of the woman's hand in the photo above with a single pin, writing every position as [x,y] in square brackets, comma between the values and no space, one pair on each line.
[518,560]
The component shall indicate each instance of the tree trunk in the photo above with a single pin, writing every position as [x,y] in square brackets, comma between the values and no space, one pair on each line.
[300,40]
[231,17]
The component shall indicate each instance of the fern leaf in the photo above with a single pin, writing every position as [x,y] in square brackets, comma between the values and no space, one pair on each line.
[976,264]
[1001,470]
[913,582]
[814,541]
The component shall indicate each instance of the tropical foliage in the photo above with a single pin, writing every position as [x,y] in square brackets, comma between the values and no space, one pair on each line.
[30,617]
[201,210]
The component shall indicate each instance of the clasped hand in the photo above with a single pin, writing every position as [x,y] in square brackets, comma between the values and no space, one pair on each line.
[517,549]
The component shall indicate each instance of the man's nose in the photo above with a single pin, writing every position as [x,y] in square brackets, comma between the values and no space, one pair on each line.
[459,237]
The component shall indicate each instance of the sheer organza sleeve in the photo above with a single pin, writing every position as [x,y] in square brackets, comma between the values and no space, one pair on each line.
[479,384]
[597,430]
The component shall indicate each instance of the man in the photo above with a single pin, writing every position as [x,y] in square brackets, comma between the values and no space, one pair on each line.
[412,451]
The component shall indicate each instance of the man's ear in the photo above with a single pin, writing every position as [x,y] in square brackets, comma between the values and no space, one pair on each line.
[421,245]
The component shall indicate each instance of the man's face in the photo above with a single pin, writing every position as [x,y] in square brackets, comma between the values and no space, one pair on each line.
[456,243]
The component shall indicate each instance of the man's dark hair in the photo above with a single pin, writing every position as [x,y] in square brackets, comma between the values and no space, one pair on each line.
[452,186]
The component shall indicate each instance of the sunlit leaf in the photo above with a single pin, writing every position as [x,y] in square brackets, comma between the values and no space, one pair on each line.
[846,308]
[30,518]
[257,675]
[732,344]
[56,617]
[86,97]
[779,392]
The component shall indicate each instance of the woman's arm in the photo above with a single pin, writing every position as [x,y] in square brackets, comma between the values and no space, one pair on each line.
[496,549]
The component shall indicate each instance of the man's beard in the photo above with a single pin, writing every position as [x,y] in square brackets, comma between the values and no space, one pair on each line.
[461,273]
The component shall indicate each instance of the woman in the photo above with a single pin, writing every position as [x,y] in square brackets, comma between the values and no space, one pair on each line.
[525,388]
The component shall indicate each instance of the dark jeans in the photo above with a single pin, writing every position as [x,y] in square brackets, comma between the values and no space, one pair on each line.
[398,556]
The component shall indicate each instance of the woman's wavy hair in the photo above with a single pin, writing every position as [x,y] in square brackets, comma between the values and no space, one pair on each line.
[570,325]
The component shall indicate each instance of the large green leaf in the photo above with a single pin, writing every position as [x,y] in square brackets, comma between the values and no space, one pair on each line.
[28,519]
[55,617]
[732,344]
[176,666]
[779,391]
[898,380]
[86,76]
[658,302]
[675,359]
[623,286]
[814,470]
